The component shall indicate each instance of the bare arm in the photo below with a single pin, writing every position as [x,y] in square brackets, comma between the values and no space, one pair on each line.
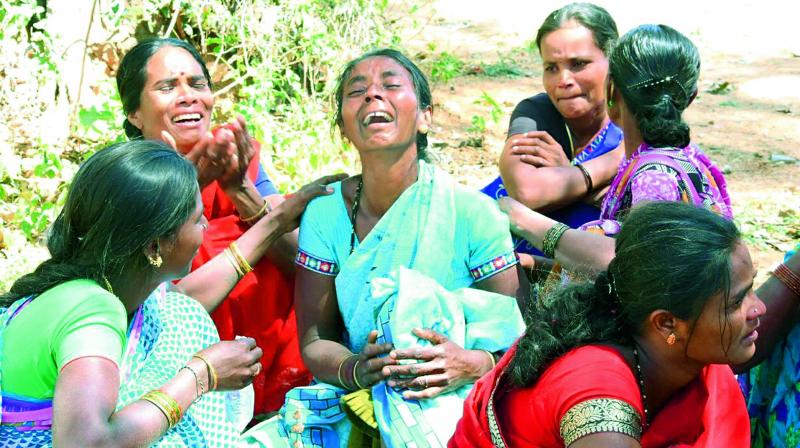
[530,180]
[509,283]
[783,313]
[577,250]
[211,282]
[87,389]
[284,249]
[319,325]
[606,440]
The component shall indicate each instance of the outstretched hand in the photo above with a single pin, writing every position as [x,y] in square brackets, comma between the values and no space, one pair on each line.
[443,367]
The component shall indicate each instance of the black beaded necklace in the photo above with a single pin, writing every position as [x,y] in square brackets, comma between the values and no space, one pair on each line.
[640,378]
[356,203]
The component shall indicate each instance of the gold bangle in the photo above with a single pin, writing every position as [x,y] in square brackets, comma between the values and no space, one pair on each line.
[339,371]
[355,375]
[232,260]
[243,264]
[199,386]
[212,374]
[166,404]
[263,211]
[491,357]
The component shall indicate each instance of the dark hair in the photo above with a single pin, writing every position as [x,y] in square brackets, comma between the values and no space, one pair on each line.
[655,69]
[122,198]
[594,18]
[669,255]
[421,88]
[132,75]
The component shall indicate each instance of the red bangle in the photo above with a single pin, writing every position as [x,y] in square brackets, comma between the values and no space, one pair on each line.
[788,278]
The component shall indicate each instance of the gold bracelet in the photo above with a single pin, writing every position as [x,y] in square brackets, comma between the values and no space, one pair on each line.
[339,371]
[491,357]
[232,260]
[243,264]
[199,386]
[212,374]
[263,211]
[166,404]
[355,375]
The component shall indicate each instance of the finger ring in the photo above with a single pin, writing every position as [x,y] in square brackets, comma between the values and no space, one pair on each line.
[258,370]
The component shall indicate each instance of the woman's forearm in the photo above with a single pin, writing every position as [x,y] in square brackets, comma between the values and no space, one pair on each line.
[576,251]
[246,199]
[141,419]
[547,188]
[211,282]
[323,359]
[86,394]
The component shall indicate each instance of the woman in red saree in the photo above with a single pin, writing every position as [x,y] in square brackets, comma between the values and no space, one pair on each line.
[638,357]
[166,94]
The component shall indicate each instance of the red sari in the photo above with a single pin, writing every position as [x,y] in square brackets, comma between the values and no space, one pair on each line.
[708,412]
[261,305]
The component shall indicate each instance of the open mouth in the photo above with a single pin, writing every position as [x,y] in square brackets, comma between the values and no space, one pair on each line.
[377,117]
[187,119]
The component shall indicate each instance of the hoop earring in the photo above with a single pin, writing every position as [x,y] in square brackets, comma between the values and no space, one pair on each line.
[671,339]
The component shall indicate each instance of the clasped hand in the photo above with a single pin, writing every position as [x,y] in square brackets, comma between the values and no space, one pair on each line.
[441,367]
[223,155]
[539,149]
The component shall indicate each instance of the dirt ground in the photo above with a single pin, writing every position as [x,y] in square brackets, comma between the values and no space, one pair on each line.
[751,130]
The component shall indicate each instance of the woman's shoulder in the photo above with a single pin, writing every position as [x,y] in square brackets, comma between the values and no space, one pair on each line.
[76,291]
[539,101]
[327,204]
[539,107]
[591,357]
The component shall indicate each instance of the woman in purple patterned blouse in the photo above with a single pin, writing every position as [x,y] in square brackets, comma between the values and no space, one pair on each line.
[653,72]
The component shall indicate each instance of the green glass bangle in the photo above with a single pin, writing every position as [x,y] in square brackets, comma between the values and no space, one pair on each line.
[551,238]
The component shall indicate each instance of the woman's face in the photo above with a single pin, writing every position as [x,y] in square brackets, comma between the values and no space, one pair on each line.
[725,332]
[176,98]
[379,106]
[177,254]
[575,71]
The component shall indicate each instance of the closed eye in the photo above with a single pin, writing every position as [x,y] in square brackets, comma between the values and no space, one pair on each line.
[579,64]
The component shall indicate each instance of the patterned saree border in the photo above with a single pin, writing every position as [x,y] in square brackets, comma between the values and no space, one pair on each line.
[493,266]
[600,415]
[318,265]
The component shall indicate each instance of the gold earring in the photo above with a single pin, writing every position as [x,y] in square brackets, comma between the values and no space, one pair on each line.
[155,261]
[671,339]
[423,129]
